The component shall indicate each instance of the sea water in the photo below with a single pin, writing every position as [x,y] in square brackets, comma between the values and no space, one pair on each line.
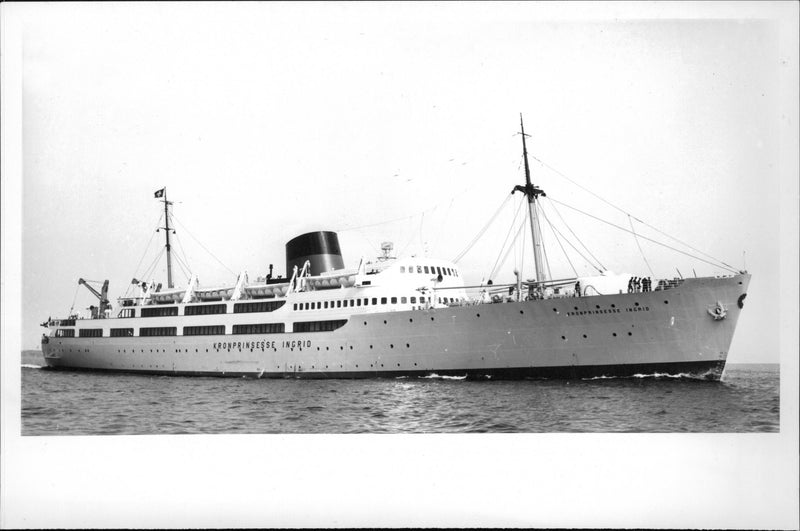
[89,403]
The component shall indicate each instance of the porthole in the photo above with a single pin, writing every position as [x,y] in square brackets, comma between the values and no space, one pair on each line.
[384,321]
[391,346]
[521,312]
[398,364]
[356,365]
[341,348]
[576,308]
[351,347]
[431,318]
[613,305]
[666,302]
[584,336]
[564,338]
[555,310]
[415,365]
[365,323]
[636,304]
[614,334]
[370,346]
[408,346]
[411,320]
[597,306]
[477,315]
[630,334]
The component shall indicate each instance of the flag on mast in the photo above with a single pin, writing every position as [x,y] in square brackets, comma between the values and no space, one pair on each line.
[160,193]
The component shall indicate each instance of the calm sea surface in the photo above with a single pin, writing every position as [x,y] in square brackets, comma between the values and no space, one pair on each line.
[84,403]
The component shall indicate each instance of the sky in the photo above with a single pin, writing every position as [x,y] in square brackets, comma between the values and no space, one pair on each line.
[264,122]
[398,122]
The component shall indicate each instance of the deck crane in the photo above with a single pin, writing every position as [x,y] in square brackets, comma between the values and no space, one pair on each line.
[102,295]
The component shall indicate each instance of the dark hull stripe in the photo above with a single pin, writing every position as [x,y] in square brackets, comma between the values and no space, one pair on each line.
[710,370]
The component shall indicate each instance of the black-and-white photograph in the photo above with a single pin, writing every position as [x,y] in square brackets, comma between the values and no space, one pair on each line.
[360,262]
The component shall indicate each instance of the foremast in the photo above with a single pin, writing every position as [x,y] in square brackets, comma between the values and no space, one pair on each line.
[532,192]
[163,195]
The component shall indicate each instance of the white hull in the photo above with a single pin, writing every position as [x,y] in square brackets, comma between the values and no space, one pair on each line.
[669,331]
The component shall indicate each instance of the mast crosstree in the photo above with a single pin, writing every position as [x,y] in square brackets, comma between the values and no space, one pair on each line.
[532,192]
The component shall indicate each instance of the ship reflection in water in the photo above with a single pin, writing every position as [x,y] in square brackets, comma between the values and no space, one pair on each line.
[86,403]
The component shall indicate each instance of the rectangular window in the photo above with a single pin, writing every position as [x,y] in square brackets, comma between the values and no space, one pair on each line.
[127,312]
[402,269]
[61,332]
[374,301]
[158,331]
[204,309]
[122,332]
[160,311]
[394,300]
[419,269]
[426,270]
[306,306]
[402,300]
[216,330]
[255,307]
[326,305]
[262,328]
[413,300]
[352,303]
[366,302]
[319,326]
[438,270]
[90,332]
[358,302]
[294,306]
[66,322]
[383,300]
[338,304]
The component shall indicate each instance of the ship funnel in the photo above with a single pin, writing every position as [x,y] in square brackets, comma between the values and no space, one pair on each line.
[320,248]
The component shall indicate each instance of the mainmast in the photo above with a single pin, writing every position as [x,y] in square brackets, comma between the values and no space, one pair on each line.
[163,194]
[532,193]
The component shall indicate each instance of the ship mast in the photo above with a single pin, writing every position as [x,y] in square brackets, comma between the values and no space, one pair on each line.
[167,229]
[532,193]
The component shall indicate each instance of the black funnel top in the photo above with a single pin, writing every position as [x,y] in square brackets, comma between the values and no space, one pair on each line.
[321,248]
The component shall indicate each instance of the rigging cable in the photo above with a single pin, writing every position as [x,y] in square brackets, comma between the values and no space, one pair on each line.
[557,233]
[153,265]
[495,268]
[510,247]
[731,268]
[483,230]
[635,237]
[135,271]
[579,240]
[203,246]
[74,298]
[645,237]
[183,252]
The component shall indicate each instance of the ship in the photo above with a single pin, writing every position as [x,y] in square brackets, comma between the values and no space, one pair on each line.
[405,317]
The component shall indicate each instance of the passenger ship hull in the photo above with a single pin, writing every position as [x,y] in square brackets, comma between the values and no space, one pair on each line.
[671,332]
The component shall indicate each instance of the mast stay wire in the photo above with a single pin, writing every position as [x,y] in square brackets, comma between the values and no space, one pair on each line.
[482,231]
[136,271]
[634,217]
[151,268]
[645,237]
[511,228]
[556,234]
[510,247]
[203,246]
[74,298]
[183,251]
[636,238]
[579,240]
